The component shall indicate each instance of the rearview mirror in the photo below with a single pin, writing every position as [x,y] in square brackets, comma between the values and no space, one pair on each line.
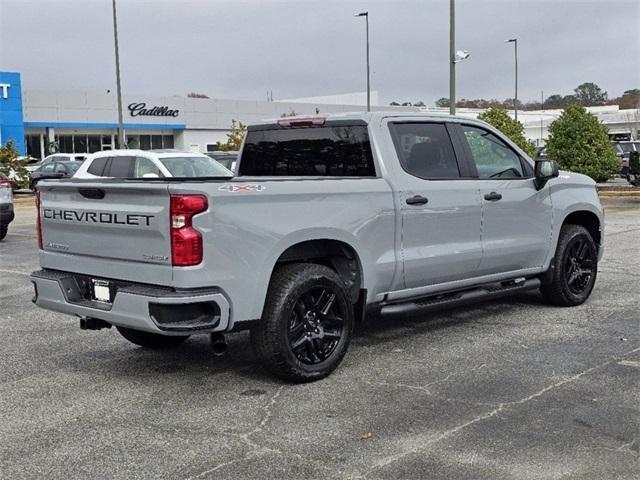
[545,170]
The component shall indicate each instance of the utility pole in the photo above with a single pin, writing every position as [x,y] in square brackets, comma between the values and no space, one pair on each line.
[542,109]
[452,57]
[121,142]
[366,16]
[515,100]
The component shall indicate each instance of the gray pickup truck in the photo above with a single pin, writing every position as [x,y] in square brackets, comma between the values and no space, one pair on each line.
[327,219]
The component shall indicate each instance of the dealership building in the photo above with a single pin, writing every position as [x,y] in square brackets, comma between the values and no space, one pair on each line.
[79,122]
[40,122]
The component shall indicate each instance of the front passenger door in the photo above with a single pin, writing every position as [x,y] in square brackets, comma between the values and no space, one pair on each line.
[516,225]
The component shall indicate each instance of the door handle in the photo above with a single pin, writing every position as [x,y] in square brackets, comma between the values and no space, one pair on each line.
[417,200]
[493,196]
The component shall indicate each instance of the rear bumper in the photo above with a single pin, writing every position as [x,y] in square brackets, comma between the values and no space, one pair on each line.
[138,306]
[6,213]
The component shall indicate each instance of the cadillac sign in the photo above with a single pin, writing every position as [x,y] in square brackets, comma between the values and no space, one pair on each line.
[140,110]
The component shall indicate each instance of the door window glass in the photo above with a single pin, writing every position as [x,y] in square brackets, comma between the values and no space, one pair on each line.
[60,168]
[145,166]
[120,167]
[97,166]
[493,157]
[425,150]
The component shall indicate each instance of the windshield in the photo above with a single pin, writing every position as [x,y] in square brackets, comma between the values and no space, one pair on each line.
[626,147]
[195,167]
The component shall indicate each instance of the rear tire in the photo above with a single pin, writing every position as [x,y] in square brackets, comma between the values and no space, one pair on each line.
[574,268]
[306,324]
[151,340]
[4,227]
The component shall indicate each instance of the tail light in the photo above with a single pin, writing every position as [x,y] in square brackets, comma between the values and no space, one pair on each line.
[38,221]
[186,242]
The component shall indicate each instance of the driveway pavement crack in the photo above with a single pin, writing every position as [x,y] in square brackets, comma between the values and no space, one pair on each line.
[500,407]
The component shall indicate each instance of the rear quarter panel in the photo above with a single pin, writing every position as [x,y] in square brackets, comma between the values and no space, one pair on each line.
[246,230]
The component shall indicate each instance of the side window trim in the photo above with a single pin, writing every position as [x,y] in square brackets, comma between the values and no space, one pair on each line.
[472,164]
[465,174]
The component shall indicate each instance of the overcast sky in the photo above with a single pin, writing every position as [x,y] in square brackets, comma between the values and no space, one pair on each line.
[241,49]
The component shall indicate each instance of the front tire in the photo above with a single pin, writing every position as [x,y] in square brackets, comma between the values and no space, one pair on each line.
[306,325]
[151,340]
[574,268]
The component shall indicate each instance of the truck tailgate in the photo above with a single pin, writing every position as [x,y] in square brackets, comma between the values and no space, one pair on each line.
[114,230]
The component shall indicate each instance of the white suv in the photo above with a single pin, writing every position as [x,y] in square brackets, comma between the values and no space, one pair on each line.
[150,164]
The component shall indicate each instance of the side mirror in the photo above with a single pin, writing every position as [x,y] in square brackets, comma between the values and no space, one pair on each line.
[545,170]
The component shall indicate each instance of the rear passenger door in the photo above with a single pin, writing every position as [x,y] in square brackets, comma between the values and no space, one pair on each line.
[516,226]
[439,204]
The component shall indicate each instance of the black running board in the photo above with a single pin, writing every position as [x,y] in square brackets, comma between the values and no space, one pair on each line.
[488,291]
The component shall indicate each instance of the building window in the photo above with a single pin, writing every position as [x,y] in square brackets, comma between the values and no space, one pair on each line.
[65,143]
[33,146]
[79,144]
[145,142]
[156,141]
[167,141]
[94,143]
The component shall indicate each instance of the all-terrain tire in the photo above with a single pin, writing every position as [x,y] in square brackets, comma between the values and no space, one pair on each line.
[306,324]
[573,269]
[4,227]
[151,340]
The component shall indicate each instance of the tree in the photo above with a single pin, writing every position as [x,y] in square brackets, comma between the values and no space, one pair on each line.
[197,95]
[12,166]
[500,119]
[419,103]
[629,99]
[394,104]
[442,102]
[589,94]
[580,143]
[235,137]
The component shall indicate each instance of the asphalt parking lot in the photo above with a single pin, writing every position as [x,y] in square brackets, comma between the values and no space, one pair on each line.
[501,390]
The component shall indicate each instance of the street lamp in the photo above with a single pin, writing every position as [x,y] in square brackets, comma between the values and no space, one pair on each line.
[454,57]
[366,15]
[515,99]
[121,143]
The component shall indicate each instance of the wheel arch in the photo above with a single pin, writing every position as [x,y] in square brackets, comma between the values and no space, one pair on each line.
[336,254]
[588,220]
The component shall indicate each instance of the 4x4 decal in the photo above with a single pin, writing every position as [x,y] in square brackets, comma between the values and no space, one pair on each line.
[242,187]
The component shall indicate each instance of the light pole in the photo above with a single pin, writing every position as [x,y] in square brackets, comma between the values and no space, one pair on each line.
[121,143]
[515,50]
[452,52]
[455,56]
[366,16]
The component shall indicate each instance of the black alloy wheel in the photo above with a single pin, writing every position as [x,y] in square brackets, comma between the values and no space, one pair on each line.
[316,325]
[580,265]
[306,323]
[574,268]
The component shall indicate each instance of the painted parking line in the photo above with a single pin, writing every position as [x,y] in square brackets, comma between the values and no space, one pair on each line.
[629,363]
[18,272]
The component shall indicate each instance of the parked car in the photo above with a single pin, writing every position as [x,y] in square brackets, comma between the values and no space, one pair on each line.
[228,159]
[53,170]
[4,180]
[6,208]
[318,228]
[150,164]
[58,157]
[623,149]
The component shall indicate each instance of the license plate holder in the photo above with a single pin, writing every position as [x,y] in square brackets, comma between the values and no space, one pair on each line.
[101,291]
